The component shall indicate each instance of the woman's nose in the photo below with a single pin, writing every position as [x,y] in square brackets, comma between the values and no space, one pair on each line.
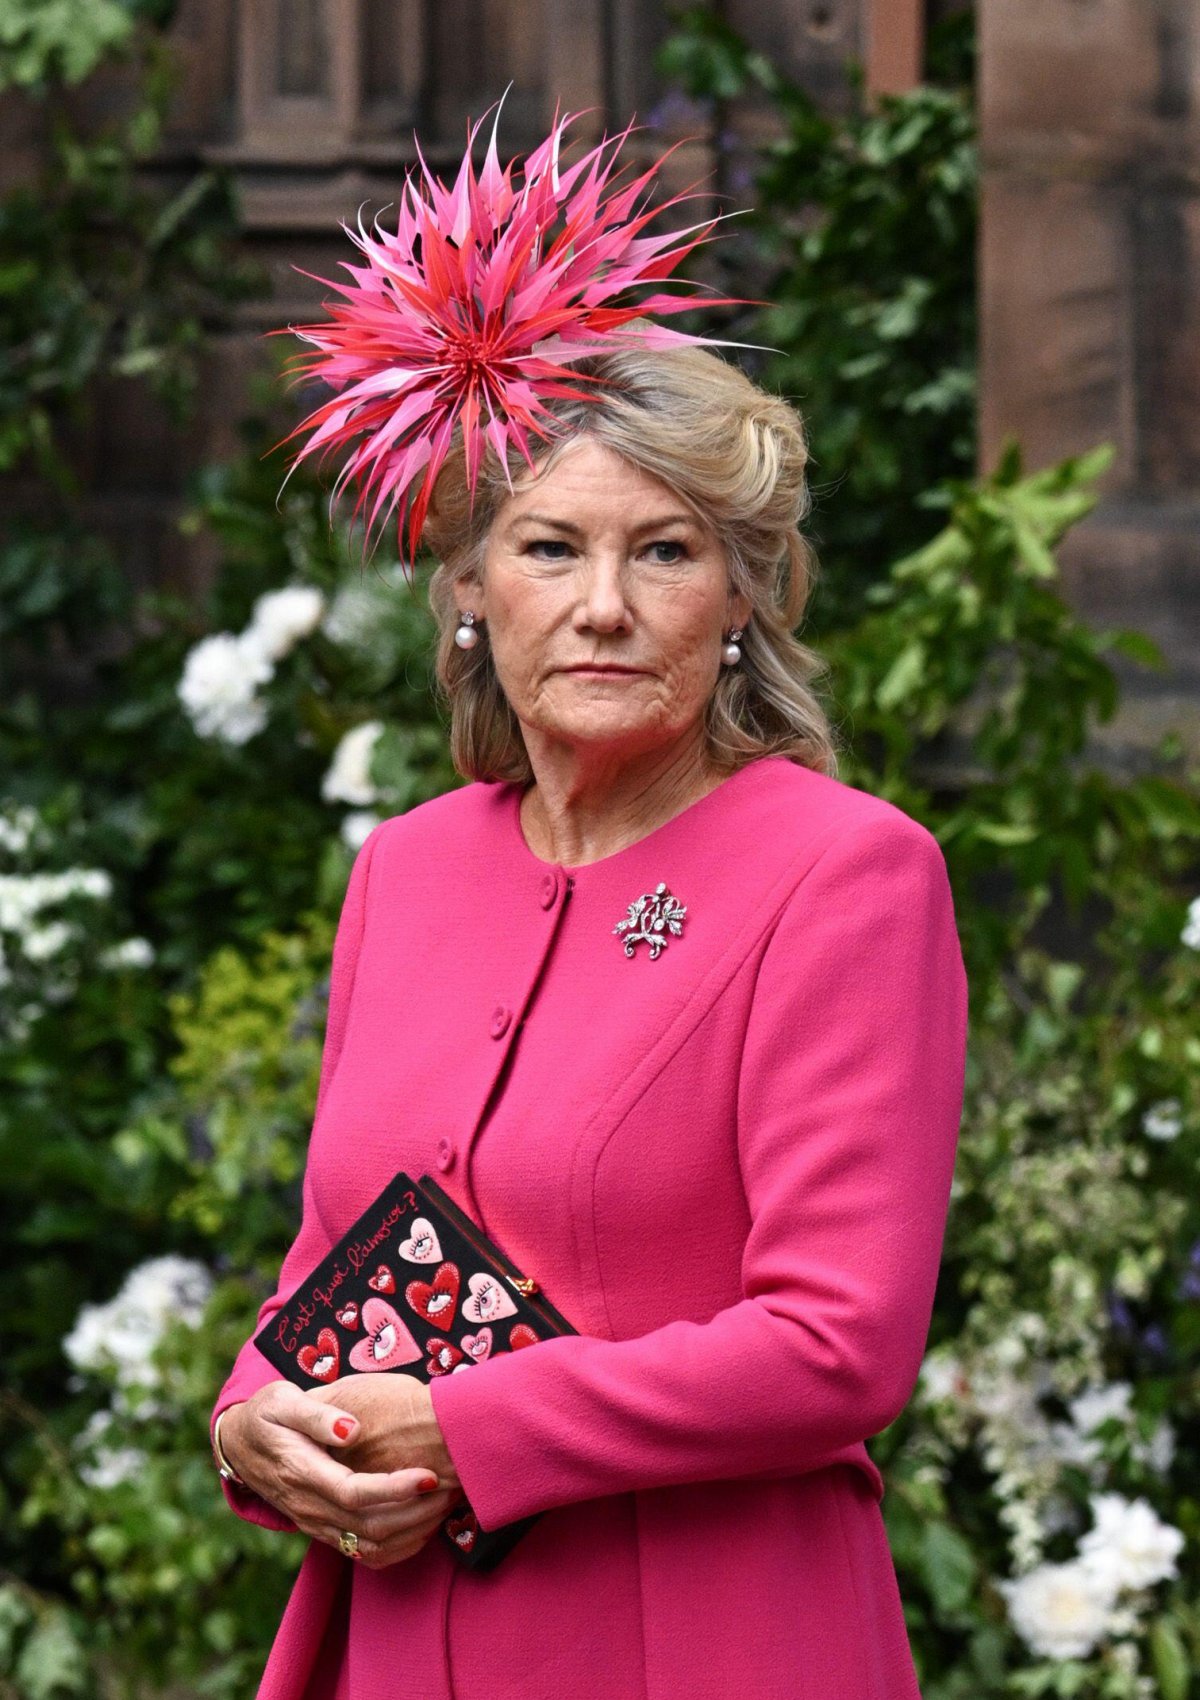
[604,605]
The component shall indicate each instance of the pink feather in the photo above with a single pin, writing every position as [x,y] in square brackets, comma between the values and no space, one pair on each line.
[472,311]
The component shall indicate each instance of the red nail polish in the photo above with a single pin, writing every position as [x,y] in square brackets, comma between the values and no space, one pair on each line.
[429,1485]
[343,1427]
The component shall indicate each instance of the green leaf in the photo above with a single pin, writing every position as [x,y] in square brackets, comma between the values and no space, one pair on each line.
[51,1664]
[1033,552]
[903,677]
[948,1566]
[1172,1666]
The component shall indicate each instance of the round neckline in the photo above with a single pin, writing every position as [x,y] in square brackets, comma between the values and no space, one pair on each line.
[687,813]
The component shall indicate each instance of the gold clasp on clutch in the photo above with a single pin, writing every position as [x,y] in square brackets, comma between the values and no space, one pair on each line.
[524,1285]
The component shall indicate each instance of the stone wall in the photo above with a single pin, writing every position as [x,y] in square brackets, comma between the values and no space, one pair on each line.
[1090,306]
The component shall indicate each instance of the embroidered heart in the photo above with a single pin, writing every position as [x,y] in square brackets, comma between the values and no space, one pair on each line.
[383,1280]
[463,1530]
[323,1360]
[443,1356]
[487,1301]
[478,1346]
[422,1245]
[522,1335]
[348,1316]
[387,1342]
[435,1300]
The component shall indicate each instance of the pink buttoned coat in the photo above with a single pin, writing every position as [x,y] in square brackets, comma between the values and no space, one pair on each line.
[729,1165]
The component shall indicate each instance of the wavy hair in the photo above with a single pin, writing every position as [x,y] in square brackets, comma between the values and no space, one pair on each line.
[736,456]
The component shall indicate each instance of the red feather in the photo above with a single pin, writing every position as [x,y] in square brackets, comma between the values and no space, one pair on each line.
[473,310]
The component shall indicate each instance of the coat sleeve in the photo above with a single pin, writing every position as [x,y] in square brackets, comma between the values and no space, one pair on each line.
[251,1370]
[849,1101]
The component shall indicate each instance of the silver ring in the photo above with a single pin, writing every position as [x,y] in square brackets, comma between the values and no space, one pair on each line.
[348,1542]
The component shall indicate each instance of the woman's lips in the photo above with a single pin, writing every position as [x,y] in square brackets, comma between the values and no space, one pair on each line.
[610,672]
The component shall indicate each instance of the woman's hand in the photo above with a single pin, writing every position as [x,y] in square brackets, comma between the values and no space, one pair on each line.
[279,1441]
[397,1428]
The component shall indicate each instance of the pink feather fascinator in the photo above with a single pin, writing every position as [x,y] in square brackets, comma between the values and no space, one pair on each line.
[472,311]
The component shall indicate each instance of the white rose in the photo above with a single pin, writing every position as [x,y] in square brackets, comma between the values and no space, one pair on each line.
[282,617]
[1060,1610]
[220,677]
[348,779]
[1129,1535]
[358,827]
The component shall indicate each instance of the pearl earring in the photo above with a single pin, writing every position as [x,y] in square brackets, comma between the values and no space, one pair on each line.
[466,637]
[730,653]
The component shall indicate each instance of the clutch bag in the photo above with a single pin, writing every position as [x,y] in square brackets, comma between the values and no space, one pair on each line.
[414,1286]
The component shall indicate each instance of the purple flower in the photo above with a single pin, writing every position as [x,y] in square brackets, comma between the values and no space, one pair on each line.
[1120,1314]
[1154,1341]
[678,111]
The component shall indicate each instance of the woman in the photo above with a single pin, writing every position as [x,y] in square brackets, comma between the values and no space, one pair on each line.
[726,1159]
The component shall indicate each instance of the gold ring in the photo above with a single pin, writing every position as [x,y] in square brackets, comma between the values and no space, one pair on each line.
[348,1541]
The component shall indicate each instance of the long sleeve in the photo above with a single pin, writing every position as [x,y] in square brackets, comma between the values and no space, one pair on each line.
[251,1370]
[848,1109]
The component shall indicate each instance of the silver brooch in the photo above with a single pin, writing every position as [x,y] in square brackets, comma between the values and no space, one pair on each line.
[651,917]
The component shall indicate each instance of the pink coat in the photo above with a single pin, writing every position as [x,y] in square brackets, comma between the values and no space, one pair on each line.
[729,1165]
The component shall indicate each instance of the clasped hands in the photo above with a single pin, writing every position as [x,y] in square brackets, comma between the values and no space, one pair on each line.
[388,1477]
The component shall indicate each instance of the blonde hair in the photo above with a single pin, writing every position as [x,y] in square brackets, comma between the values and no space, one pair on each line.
[737,456]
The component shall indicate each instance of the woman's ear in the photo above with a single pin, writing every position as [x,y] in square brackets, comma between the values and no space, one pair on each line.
[467,595]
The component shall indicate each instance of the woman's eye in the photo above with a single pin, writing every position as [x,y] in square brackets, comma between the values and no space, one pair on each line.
[675,552]
[550,543]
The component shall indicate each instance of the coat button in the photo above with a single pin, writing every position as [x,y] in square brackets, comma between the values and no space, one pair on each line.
[446,1153]
[548,892]
[501,1021]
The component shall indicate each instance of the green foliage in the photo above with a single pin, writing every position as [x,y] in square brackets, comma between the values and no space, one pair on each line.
[107,276]
[861,239]
[63,40]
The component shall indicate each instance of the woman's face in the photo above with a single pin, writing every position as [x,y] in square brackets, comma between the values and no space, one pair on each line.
[606,603]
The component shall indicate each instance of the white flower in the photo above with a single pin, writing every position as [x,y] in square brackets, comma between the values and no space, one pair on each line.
[1096,1404]
[1060,1610]
[121,1335]
[349,777]
[128,953]
[24,896]
[353,616]
[220,677]
[358,826]
[1190,935]
[17,826]
[282,617]
[1130,1536]
[41,942]
[1159,1450]
[1163,1120]
[109,1465]
[90,882]
[357,616]
[941,1377]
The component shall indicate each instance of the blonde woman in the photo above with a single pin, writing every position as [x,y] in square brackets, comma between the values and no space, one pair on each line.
[728,1160]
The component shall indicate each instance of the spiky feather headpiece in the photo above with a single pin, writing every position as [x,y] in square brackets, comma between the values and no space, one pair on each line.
[472,310]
